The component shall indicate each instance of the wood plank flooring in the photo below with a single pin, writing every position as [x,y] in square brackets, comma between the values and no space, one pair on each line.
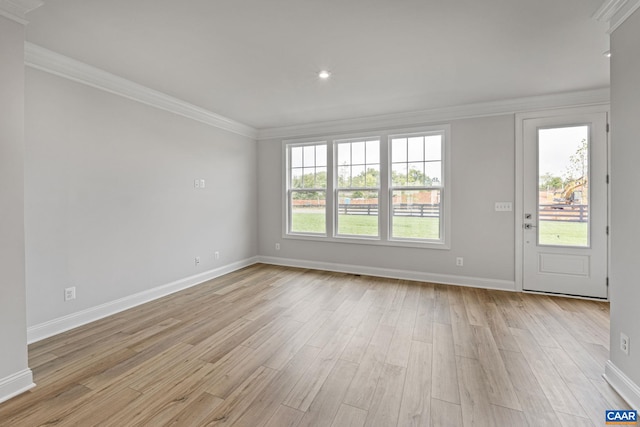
[275,346]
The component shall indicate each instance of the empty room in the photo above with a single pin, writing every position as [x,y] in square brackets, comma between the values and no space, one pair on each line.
[319,213]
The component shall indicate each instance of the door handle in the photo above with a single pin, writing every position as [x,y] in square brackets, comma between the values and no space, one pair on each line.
[528,226]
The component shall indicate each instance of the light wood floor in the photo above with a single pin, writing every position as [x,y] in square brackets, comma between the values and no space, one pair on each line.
[273,346]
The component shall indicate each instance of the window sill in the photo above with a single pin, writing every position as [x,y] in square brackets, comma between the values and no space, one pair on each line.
[371,241]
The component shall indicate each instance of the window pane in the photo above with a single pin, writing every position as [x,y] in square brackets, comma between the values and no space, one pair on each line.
[399,150]
[433,173]
[309,178]
[357,153]
[296,178]
[416,214]
[309,155]
[364,169]
[415,175]
[308,212]
[344,154]
[296,157]
[412,169]
[321,177]
[357,176]
[373,152]
[344,176]
[321,155]
[399,174]
[358,213]
[373,176]
[563,199]
[415,149]
[433,147]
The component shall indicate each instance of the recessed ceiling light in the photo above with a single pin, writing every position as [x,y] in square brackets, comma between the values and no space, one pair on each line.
[324,74]
[607,54]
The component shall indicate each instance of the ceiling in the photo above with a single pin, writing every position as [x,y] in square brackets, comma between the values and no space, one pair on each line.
[256,61]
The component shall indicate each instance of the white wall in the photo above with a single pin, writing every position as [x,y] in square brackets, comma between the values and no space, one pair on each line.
[625,176]
[110,201]
[482,173]
[14,374]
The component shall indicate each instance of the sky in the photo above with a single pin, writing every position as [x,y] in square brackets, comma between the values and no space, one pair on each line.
[557,145]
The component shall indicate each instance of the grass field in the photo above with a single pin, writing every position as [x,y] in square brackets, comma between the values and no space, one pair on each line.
[364,225]
[563,233]
[560,233]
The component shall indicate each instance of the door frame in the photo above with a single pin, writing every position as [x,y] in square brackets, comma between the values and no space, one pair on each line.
[519,180]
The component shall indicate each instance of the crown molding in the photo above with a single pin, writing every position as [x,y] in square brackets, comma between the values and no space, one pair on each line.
[483,109]
[615,12]
[16,10]
[51,62]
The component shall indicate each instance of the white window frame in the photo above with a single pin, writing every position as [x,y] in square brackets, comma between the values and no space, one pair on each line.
[290,191]
[384,201]
[337,189]
[443,188]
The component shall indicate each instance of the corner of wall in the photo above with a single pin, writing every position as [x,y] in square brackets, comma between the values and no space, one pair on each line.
[16,384]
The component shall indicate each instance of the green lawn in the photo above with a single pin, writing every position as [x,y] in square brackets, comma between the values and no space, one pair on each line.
[365,225]
[563,233]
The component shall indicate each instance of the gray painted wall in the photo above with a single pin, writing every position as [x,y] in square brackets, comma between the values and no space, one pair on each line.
[110,201]
[482,162]
[625,176]
[13,334]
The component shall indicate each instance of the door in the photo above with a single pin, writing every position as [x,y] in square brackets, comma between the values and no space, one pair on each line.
[565,204]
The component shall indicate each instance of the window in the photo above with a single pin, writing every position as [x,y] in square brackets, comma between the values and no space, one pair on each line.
[307,188]
[358,182]
[416,186]
[387,189]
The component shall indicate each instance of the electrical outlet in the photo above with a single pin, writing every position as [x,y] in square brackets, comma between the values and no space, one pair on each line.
[459,261]
[197,260]
[277,246]
[70,293]
[216,255]
[196,183]
[624,343]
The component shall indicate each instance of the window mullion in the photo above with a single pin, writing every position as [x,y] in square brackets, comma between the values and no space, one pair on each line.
[384,208]
[331,174]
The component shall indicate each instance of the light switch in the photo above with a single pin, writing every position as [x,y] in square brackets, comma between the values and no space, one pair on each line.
[504,206]
[202,183]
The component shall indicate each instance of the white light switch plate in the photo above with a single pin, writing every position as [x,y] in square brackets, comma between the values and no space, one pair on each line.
[504,206]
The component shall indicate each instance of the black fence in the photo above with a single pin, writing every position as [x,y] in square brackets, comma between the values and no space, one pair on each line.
[421,210]
[562,212]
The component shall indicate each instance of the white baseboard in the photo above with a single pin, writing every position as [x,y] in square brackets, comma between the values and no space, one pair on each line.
[65,323]
[621,383]
[16,384]
[446,279]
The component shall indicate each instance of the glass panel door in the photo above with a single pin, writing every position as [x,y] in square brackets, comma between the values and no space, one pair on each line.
[563,186]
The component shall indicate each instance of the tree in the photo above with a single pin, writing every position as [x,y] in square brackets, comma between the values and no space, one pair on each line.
[548,181]
[578,164]
[309,180]
[413,178]
[366,179]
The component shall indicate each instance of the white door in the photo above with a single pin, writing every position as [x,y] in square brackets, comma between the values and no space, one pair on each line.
[565,204]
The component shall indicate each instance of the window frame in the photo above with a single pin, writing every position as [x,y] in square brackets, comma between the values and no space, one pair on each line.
[444,205]
[384,192]
[289,190]
[337,189]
